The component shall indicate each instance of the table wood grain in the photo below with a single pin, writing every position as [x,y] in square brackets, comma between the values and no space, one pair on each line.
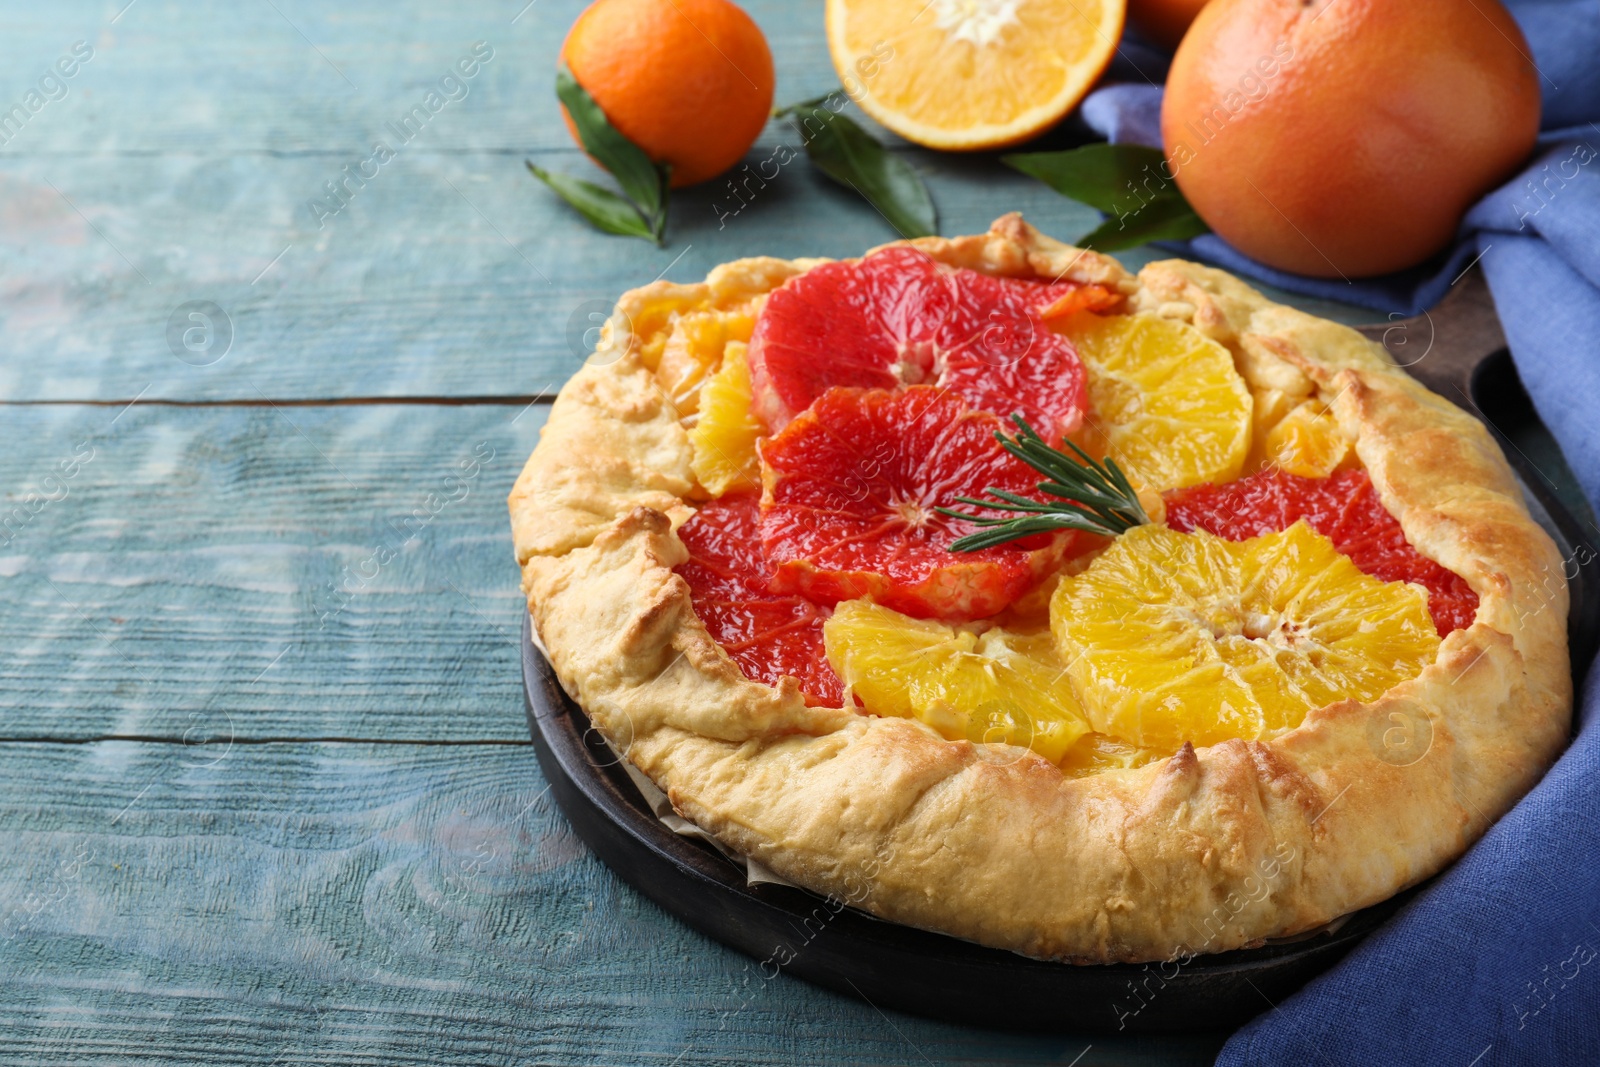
[386,904]
[180,165]
[263,570]
[266,793]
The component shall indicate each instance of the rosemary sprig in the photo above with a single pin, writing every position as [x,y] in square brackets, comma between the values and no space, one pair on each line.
[1093,497]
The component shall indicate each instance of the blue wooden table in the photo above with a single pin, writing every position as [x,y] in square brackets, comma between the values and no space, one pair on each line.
[266,790]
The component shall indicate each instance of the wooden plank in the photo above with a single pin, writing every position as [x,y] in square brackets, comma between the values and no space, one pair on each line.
[261,572]
[173,173]
[297,76]
[390,904]
[448,275]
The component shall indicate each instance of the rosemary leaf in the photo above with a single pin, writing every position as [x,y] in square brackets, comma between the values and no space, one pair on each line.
[1085,495]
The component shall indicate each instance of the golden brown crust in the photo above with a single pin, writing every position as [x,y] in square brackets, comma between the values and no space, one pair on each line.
[1206,851]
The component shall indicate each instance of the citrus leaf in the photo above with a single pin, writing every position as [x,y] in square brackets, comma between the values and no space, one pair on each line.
[601,207]
[1114,178]
[643,181]
[1127,182]
[1166,218]
[849,155]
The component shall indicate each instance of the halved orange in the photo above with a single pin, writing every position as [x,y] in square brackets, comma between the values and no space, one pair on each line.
[971,74]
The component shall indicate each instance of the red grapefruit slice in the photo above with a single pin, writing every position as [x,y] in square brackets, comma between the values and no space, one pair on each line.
[1343,508]
[769,635]
[898,317]
[851,488]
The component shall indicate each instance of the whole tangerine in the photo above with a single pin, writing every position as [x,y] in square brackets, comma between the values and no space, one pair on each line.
[1346,137]
[1164,21]
[688,81]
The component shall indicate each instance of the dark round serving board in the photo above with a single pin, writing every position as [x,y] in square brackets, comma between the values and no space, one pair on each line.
[796,932]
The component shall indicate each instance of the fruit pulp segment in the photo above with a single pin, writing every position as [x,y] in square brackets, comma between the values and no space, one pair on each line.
[1168,404]
[1174,637]
[851,488]
[898,317]
[725,434]
[1307,442]
[1097,752]
[693,350]
[991,687]
[768,635]
[965,64]
[1346,509]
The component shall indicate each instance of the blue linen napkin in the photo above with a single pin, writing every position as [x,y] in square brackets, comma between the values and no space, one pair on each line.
[1498,962]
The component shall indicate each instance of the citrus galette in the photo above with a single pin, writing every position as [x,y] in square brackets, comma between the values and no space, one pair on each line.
[998,591]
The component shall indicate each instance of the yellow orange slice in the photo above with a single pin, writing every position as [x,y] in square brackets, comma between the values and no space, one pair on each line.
[725,434]
[1308,442]
[1172,637]
[997,686]
[693,350]
[971,74]
[1096,752]
[1165,400]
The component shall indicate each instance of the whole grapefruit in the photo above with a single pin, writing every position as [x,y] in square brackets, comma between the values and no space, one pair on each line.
[1342,138]
[688,81]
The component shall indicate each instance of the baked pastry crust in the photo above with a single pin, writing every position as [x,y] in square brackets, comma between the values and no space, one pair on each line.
[1208,850]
